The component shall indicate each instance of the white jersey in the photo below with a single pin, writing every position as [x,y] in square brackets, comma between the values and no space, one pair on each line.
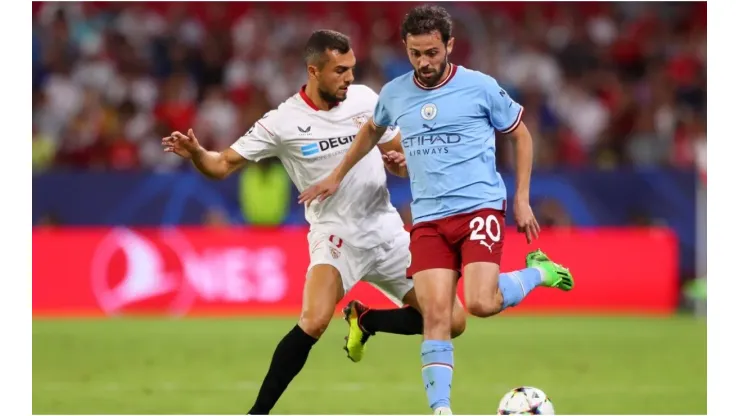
[311,143]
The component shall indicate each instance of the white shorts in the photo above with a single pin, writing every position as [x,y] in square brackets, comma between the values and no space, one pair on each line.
[383,266]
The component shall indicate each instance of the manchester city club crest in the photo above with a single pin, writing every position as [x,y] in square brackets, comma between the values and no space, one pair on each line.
[428,111]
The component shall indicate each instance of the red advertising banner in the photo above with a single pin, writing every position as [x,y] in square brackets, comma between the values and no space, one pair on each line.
[252,271]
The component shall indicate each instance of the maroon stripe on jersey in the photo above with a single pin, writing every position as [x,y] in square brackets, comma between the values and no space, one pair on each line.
[453,70]
[516,122]
[266,129]
[376,124]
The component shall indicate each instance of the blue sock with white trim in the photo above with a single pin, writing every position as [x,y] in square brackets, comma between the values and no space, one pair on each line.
[436,370]
[515,286]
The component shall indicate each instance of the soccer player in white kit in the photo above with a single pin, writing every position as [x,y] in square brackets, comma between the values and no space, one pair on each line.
[354,235]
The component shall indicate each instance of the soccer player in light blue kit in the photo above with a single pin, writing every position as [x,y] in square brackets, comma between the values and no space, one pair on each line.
[448,116]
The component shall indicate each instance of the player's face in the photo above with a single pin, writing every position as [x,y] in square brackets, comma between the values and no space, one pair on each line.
[428,55]
[336,75]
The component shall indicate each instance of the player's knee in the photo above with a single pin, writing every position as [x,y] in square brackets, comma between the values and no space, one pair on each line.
[484,307]
[458,324]
[313,324]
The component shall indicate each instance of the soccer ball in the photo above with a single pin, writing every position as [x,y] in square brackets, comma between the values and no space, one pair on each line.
[525,401]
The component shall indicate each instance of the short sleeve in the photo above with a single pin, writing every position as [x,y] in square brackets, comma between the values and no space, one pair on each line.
[504,113]
[389,134]
[381,115]
[260,141]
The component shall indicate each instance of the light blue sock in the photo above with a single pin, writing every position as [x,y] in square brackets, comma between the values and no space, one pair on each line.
[515,286]
[436,370]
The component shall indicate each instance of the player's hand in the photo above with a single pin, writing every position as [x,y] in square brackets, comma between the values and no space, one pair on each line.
[182,145]
[320,191]
[525,221]
[395,162]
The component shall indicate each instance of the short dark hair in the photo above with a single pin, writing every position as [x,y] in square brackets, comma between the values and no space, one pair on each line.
[322,41]
[426,19]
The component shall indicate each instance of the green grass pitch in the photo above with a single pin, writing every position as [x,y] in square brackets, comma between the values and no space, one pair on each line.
[591,365]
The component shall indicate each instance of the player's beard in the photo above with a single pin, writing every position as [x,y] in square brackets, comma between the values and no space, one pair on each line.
[329,97]
[435,80]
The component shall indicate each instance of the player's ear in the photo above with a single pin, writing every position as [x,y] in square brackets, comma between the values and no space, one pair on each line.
[450,44]
[313,71]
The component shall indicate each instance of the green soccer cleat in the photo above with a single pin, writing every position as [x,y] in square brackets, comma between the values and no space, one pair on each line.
[554,274]
[357,337]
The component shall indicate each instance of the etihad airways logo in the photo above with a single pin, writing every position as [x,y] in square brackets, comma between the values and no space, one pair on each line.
[430,144]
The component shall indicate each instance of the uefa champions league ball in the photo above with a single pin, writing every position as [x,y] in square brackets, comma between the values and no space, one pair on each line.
[525,401]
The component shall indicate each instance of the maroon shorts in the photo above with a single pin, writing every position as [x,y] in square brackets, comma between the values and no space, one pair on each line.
[452,242]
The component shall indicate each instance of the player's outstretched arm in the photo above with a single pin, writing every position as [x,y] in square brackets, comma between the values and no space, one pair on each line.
[368,136]
[525,219]
[524,156]
[218,165]
[215,165]
[393,156]
[506,117]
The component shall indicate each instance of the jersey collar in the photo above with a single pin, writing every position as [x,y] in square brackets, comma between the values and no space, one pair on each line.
[453,70]
[310,103]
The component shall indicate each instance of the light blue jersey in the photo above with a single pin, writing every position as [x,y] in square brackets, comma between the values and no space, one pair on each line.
[449,140]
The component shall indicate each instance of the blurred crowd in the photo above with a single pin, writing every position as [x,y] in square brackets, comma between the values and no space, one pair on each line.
[603,84]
